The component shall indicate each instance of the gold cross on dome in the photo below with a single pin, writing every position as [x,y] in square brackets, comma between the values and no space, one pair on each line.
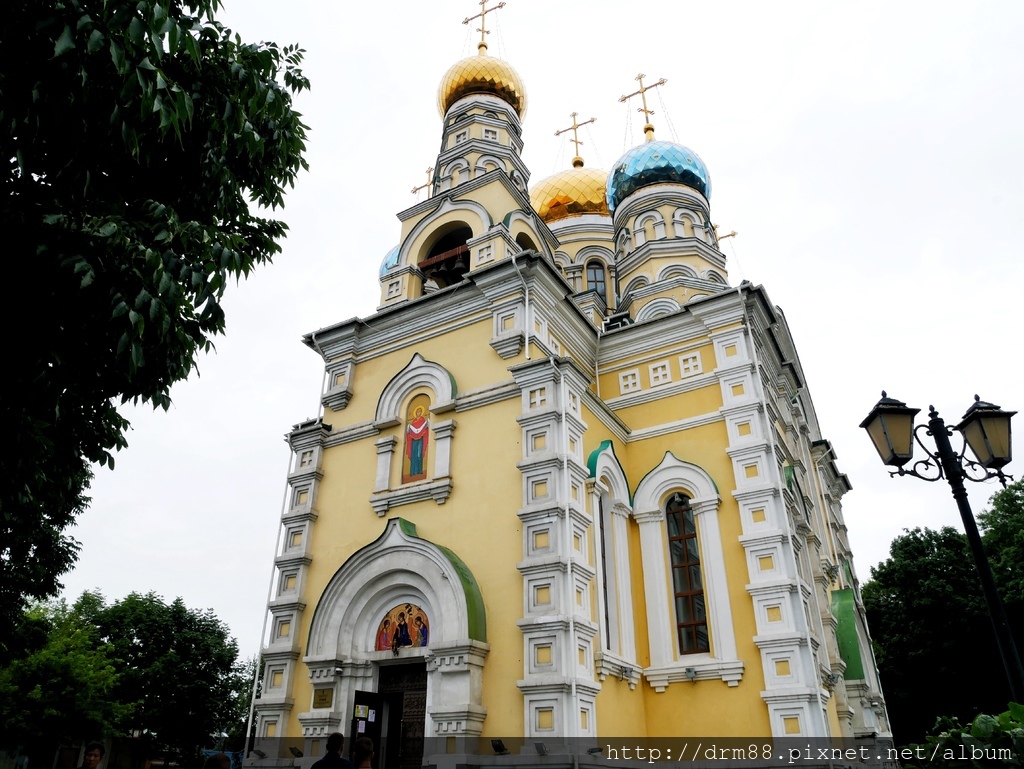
[577,161]
[482,29]
[642,93]
[430,180]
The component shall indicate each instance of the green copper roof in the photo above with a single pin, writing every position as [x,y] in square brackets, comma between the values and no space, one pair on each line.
[475,611]
[844,608]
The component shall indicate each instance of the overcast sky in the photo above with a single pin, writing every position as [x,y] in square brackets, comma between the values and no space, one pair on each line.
[870,156]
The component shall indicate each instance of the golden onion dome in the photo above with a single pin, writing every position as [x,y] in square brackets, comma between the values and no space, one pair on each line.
[482,74]
[573,192]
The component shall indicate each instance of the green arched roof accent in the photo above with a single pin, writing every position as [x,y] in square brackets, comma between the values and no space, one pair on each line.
[845,610]
[592,463]
[508,217]
[670,454]
[477,615]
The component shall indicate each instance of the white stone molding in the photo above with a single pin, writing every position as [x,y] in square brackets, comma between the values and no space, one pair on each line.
[635,284]
[667,666]
[610,486]
[437,490]
[339,384]
[640,226]
[478,216]
[677,271]
[385,449]
[663,305]
[486,163]
[399,567]
[419,372]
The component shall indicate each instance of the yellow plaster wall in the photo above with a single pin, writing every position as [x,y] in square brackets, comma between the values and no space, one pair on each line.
[469,527]
[707,707]
[459,351]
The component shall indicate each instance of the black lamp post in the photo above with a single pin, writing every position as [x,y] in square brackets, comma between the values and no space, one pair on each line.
[986,429]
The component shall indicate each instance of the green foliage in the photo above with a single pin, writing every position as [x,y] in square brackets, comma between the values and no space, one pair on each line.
[1003,527]
[934,643]
[989,742]
[60,683]
[177,671]
[140,142]
[136,666]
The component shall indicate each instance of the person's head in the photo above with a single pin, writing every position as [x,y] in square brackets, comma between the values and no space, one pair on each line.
[335,742]
[218,761]
[387,623]
[419,621]
[401,616]
[362,751]
[93,755]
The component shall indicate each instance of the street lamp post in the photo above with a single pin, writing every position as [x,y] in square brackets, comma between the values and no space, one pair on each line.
[986,429]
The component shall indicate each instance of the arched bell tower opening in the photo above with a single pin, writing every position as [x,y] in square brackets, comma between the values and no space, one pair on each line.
[525,242]
[447,260]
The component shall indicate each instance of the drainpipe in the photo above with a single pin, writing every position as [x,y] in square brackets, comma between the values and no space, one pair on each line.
[266,614]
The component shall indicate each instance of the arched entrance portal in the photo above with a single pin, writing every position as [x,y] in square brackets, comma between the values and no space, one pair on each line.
[394,716]
[400,623]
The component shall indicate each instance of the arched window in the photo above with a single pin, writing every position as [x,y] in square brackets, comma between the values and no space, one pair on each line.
[596,279]
[687,583]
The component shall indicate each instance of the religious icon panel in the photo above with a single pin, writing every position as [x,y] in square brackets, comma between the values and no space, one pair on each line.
[404,625]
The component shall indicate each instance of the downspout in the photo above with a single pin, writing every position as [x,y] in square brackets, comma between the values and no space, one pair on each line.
[570,584]
[526,293]
[266,615]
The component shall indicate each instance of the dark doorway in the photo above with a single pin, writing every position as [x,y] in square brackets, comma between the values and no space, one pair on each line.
[393,716]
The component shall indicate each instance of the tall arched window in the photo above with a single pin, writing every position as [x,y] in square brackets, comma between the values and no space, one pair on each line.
[596,280]
[687,583]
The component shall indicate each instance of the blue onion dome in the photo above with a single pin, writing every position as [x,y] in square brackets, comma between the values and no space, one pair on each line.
[656,162]
[390,261]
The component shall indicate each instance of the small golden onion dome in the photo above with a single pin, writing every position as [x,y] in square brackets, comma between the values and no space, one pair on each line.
[573,192]
[482,74]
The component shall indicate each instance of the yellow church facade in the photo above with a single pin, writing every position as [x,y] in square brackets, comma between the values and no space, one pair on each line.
[568,482]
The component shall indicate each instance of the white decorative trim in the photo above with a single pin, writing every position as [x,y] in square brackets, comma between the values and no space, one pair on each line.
[399,567]
[419,372]
[437,490]
[655,308]
[666,664]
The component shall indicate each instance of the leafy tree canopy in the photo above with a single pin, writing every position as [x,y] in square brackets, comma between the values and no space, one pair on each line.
[138,666]
[61,680]
[936,651]
[140,144]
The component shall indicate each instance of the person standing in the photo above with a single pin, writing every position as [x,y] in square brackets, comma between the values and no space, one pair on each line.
[332,758]
[93,755]
[362,752]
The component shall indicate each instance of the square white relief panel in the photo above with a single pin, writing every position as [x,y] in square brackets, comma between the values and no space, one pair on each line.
[629,381]
[659,373]
[690,364]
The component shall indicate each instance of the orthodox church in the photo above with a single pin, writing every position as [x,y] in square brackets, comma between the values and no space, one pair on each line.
[568,482]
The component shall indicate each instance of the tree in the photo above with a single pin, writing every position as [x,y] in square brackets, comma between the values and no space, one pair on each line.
[134,136]
[936,651]
[58,682]
[1003,527]
[176,668]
